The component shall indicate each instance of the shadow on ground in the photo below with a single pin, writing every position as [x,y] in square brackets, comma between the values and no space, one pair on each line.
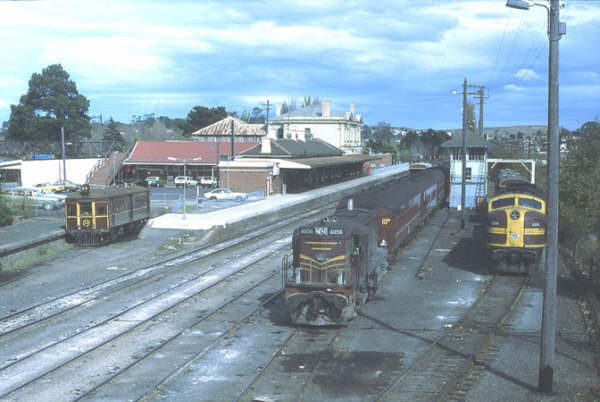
[470,253]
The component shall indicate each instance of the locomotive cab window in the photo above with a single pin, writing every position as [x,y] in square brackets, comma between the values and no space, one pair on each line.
[85,208]
[530,203]
[503,202]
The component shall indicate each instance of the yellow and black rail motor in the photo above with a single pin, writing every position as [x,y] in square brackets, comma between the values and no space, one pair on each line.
[95,217]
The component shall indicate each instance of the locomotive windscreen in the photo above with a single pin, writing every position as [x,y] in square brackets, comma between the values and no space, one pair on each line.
[321,253]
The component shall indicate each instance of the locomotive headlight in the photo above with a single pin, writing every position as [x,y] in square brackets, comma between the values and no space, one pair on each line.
[515,215]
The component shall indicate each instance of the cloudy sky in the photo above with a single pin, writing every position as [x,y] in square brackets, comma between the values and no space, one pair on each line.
[399,61]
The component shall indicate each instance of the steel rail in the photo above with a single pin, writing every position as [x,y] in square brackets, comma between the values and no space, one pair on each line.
[213,344]
[153,297]
[130,329]
[64,303]
[300,393]
[179,333]
[421,356]
[463,371]
[264,368]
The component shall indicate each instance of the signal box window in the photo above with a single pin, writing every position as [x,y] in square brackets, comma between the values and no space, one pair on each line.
[468,173]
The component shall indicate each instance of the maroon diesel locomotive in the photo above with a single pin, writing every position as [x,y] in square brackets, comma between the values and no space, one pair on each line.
[338,261]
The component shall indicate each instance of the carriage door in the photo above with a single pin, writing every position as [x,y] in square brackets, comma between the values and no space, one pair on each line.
[86,217]
[101,214]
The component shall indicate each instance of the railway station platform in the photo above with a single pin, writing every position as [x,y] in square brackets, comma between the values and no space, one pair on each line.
[275,204]
[27,233]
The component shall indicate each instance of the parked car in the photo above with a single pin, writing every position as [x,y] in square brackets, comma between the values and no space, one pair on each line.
[34,197]
[208,181]
[187,180]
[61,186]
[224,194]
[154,181]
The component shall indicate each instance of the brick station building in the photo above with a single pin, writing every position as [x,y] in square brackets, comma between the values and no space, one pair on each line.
[290,166]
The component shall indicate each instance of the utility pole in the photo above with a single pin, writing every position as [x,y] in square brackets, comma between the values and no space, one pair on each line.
[267,125]
[481,93]
[62,138]
[546,372]
[464,142]
[463,156]
[232,138]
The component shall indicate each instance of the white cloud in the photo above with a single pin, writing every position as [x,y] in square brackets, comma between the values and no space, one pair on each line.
[526,74]
[513,88]
[235,14]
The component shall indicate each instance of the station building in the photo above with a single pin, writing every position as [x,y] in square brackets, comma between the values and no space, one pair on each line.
[290,166]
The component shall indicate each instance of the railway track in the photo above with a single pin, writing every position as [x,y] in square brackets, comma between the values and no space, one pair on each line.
[437,372]
[28,367]
[48,359]
[38,312]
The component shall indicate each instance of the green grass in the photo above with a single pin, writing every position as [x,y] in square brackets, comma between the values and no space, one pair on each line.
[34,256]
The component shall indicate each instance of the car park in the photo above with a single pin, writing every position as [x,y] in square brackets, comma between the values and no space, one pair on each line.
[61,186]
[34,197]
[154,181]
[208,181]
[184,180]
[225,194]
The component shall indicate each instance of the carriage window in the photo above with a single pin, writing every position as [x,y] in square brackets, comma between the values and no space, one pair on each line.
[72,209]
[530,203]
[85,209]
[503,202]
[101,209]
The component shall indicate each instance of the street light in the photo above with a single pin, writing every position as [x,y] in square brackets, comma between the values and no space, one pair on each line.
[555,30]
[518,4]
[185,160]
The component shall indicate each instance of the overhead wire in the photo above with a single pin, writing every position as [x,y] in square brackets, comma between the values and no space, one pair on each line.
[528,62]
[493,70]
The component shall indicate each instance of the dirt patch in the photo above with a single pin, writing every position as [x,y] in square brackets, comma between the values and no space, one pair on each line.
[10,276]
[347,373]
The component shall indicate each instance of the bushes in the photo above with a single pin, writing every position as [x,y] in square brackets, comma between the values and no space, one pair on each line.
[6,214]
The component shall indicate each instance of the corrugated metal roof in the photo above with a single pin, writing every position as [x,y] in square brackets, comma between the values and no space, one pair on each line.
[223,127]
[294,149]
[335,160]
[158,152]
[472,140]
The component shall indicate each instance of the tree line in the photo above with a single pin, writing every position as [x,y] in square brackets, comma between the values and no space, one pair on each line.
[383,138]
[53,102]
